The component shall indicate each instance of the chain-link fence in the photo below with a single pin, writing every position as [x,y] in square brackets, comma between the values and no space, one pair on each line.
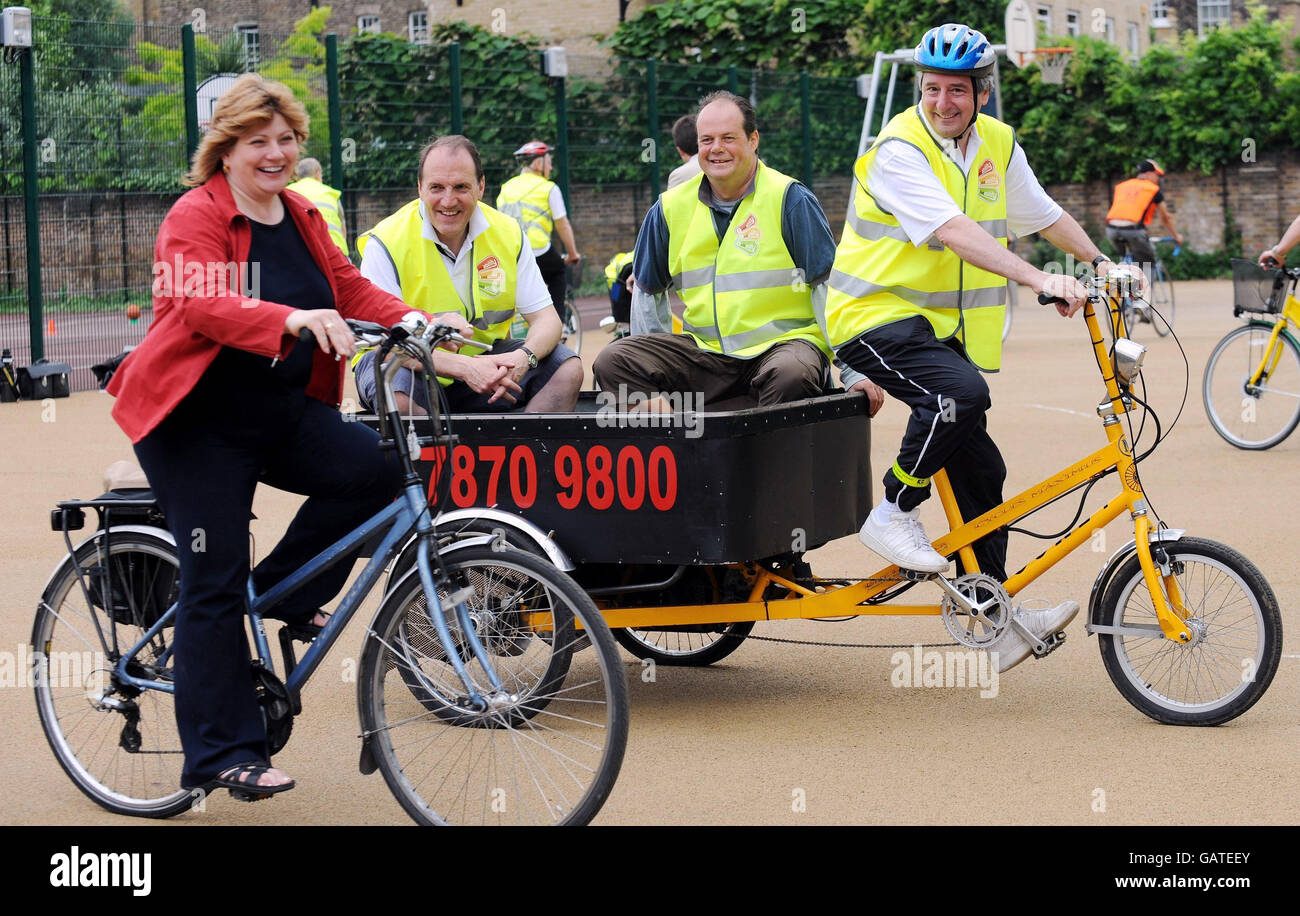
[111,135]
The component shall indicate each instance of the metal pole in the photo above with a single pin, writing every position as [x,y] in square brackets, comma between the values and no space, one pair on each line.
[889,96]
[733,81]
[31,199]
[336,112]
[189,67]
[865,137]
[652,117]
[457,104]
[805,110]
[562,137]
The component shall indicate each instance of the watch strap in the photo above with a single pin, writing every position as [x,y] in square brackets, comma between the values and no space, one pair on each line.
[532,357]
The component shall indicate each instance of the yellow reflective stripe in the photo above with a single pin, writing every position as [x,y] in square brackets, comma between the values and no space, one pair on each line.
[874,232]
[699,276]
[908,478]
[493,317]
[858,288]
[744,280]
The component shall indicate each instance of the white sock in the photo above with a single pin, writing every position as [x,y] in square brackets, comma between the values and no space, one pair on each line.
[883,512]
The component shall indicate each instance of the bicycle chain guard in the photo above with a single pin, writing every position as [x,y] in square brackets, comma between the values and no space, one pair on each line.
[982,630]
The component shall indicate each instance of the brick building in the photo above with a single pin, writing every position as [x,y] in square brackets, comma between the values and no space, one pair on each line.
[577,24]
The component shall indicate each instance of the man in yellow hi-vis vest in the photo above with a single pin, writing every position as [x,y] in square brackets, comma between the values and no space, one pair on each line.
[917,295]
[326,199]
[536,202]
[448,253]
[748,250]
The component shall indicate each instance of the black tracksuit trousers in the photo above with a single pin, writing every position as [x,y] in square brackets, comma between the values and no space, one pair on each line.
[949,398]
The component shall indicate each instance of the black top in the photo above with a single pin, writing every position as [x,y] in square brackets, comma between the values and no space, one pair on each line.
[280,269]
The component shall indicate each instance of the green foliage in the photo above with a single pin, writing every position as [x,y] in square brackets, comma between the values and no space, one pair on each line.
[81,41]
[158,120]
[822,38]
[897,25]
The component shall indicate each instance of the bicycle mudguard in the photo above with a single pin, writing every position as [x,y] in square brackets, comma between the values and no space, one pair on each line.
[162,533]
[1112,565]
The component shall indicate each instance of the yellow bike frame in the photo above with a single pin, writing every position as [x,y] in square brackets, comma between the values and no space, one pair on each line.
[1273,352]
[800,601]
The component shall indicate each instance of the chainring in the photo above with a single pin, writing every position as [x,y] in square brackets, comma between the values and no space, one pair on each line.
[978,632]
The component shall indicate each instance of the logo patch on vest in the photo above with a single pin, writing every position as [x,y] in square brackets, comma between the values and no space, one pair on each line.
[748,235]
[989,182]
[491,276]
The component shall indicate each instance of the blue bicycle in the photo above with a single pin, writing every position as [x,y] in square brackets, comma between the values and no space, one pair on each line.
[475,702]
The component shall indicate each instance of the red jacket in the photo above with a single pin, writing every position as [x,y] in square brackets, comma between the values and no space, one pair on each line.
[205,230]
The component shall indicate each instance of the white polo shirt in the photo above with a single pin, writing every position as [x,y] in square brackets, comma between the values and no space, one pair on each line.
[531,294]
[902,182]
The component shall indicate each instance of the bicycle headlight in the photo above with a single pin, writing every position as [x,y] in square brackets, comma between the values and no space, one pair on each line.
[1128,358]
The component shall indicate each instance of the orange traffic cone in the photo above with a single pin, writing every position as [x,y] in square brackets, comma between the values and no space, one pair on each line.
[50,330]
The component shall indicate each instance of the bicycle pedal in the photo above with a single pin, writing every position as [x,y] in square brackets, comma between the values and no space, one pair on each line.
[1053,642]
[916,575]
[245,795]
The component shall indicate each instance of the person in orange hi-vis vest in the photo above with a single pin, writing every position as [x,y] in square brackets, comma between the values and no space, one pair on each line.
[1136,201]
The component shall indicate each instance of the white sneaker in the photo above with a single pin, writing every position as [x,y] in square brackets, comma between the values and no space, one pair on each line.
[902,542]
[1012,648]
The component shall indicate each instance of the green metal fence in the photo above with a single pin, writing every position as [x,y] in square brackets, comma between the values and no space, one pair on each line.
[113,115]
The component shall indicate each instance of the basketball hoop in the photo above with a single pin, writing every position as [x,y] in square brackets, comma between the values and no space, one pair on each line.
[1051,63]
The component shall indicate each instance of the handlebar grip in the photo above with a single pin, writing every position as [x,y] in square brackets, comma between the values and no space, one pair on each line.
[306,336]
[1044,299]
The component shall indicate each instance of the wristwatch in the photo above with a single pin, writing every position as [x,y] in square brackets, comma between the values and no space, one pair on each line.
[532,357]
[1098,260]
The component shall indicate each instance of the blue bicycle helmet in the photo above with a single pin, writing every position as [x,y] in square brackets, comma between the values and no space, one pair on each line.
[955,48]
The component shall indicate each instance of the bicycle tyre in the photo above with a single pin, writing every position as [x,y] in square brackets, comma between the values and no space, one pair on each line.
[567,731]
[90,742]
[1227,669]
[1256,417]
[572,332]
[679,648]
[1162,301]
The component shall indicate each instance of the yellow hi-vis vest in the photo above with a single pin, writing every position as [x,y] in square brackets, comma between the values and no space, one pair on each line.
[527,197]
[743,293]
[326,200]
[615,266]
[426,284]
[880,277]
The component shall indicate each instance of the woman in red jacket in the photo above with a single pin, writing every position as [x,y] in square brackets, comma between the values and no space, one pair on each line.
[221,395]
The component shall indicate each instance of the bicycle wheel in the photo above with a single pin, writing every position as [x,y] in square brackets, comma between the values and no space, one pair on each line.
[1162,300]
[572,328]
[687,647]
[1237,637]
[1253,416]
[549,753]
[119,745]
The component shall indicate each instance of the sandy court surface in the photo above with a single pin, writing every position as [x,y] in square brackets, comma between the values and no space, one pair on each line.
[745,740]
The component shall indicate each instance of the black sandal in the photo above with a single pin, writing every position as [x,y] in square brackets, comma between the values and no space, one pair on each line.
[306,631]
[246,788]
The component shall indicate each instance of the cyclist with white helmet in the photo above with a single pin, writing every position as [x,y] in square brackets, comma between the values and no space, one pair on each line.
[536,202]
[917,295]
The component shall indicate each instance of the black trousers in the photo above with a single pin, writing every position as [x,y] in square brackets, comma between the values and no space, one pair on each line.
[204,462]
[947,429]
[552,267]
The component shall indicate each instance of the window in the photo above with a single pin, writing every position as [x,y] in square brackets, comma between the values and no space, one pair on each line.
[1072,23]
[1160,14]
[368,23]
[1110,29]
[252,45]
[417,26]
[1210,13]
[1043,14]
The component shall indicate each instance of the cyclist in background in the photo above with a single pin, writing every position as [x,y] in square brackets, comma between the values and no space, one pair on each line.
[536,202]
[1135,203]
[1276,256]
